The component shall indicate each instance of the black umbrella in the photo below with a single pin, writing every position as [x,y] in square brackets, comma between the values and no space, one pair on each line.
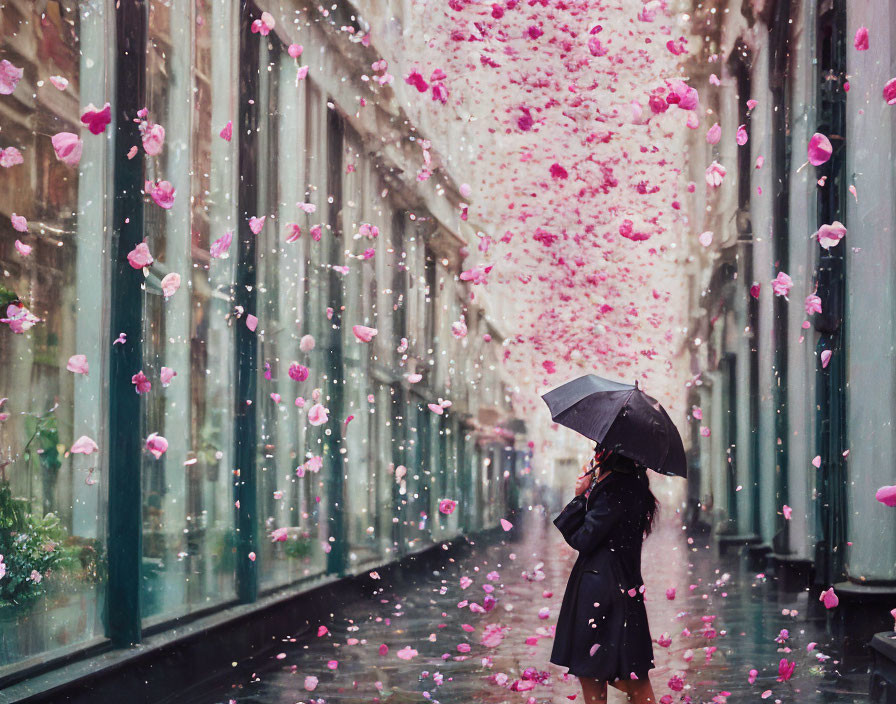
[620,417]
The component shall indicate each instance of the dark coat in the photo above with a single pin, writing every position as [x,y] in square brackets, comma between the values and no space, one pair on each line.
[603,605]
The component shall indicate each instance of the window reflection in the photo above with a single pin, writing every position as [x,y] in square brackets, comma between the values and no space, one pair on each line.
[52,236]
[188,539]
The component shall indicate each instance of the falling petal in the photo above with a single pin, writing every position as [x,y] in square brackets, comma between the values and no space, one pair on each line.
[886,495]
[157,445]
[170,284]
[68,148]
[140,257]
[820,149]
[97,119]
[77,364]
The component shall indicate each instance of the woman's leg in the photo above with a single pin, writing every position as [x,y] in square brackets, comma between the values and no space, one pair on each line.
[637,691]
[593,691]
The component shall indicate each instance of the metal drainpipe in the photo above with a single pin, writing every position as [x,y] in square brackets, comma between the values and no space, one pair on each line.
[334,458]
[246,358]
[125,543]
[778,80]
[830,381]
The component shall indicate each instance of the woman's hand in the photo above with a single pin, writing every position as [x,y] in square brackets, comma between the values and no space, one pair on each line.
[583,481]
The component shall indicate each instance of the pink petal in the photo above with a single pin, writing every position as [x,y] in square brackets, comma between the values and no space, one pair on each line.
[825,358]
[256,224]
[251,322]
[157,445]
[84,445]
[890,92]
[861,39]
[142,384]
[820,149]
[170,284]
[505,524]
[163,194]
[219,247]
[364,333]
[140,257]
[830,235]
[447,506]
[782,284]
[166,375]
[317,415]
[9,77]
[60,82]
[22,248]
[886,495]
[68,147]
[95,119]
[226,132]
[77,363]
[11,157]
[153,139]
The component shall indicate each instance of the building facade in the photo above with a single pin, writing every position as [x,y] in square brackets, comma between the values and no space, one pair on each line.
[296,215]
[799,404]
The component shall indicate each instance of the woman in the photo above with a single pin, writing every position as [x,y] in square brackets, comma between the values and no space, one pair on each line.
[602,634]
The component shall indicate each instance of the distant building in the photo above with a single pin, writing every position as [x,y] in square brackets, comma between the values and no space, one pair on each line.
[799,406]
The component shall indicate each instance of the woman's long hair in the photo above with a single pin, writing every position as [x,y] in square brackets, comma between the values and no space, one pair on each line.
[620,463]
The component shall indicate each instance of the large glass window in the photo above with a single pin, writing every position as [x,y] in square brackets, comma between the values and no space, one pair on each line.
[54,349]
[420,475]
[387,486]
[292,290]
[188,513]
[361,464]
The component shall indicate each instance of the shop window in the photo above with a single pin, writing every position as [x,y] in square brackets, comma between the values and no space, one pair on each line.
[53,502]
[188,363]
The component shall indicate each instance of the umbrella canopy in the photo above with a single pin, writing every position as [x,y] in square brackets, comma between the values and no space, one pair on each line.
[620,417]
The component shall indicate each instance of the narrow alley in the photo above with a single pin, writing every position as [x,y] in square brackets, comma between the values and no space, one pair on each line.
[723,622]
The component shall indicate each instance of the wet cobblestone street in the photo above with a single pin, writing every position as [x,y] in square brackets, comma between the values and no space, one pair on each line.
[712,657]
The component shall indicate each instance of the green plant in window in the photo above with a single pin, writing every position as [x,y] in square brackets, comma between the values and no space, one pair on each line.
[6,297]
[224,547]
[38,553]
[297,547]
[32,549]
